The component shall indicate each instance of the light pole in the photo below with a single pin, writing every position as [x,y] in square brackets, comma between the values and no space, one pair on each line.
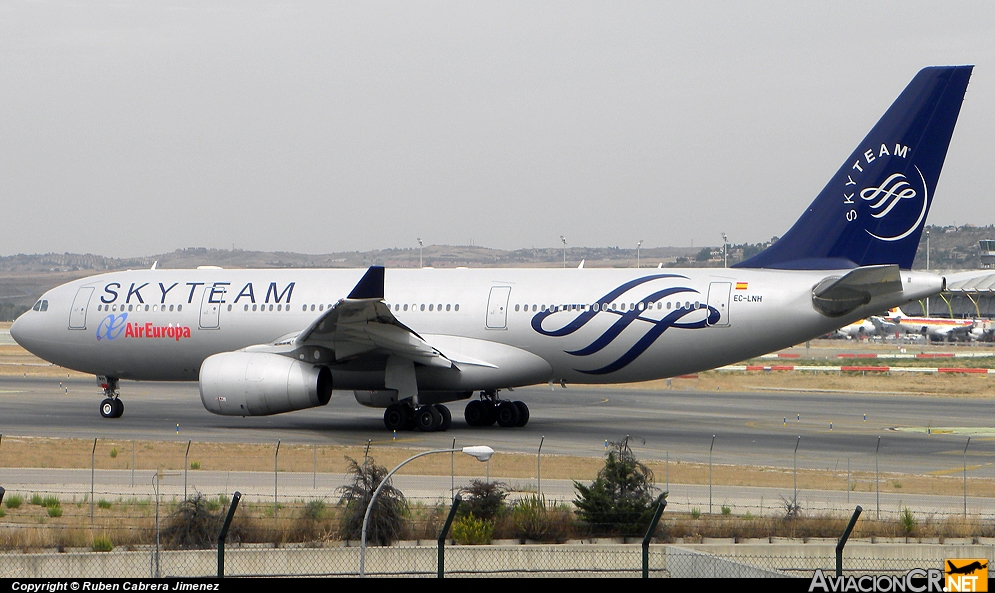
[564,239]
[638,245]
[480,452]
[421,262]
[725,251]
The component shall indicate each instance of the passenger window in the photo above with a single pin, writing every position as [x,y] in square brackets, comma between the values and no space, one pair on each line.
[430,307]
[246,307]
[457,307]
[405,307]
[422,308]
[447,307]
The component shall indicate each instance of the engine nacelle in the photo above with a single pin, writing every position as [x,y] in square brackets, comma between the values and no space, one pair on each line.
[261,383]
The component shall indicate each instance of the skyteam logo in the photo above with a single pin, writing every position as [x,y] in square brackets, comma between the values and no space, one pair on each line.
[650,316]
[898,191]
[110,327]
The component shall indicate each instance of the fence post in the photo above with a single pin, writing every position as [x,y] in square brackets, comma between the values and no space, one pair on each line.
[224,533]
[93,461]
[843,538]
[444,533]
[649,536]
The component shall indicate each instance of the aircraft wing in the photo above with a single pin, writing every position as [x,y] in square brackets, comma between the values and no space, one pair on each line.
[361,323]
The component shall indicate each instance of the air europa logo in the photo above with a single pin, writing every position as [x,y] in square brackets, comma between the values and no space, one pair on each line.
[112,326]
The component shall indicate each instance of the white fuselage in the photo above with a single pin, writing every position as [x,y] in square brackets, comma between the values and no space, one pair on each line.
[589,325]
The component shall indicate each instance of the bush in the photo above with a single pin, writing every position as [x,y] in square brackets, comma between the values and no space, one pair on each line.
[113,452]
[194,465]
[533,520]
[386,524]
[908,521]
[469,530]
[484,500]
[102,543]
[193,525]
[308,524]
[104,504]
[36,500]
[13,501]
[54,512]
[621,500]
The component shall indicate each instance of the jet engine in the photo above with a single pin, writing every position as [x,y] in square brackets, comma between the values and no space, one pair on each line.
[261,383]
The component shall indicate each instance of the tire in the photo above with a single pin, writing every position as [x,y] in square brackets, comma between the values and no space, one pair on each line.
[118,408]
[447,417]
[474,414]
[396,417]
[523,413]
[107,408]
[508,414]
[428,419]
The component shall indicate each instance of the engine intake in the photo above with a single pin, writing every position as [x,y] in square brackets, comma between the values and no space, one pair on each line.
[261,383]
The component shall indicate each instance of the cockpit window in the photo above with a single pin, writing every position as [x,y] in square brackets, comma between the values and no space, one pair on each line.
[41,305]
[37,306]
[44,305]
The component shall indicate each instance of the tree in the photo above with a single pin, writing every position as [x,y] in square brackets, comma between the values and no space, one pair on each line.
[622,499]
[386,523]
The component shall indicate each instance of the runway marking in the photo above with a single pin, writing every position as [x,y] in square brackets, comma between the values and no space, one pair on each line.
[959,470]
[9,391]
[986,431]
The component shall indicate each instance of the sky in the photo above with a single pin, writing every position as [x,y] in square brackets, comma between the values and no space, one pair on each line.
[137,128]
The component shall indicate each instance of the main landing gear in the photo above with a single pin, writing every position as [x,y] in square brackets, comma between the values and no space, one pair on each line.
[112,406]
[489,409]
[428,418]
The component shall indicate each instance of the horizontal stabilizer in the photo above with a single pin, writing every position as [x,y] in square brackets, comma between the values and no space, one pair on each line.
[839,295]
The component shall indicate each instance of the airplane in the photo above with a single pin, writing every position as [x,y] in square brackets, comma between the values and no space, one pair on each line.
[931,328]
[967,568]
[862,328]
[409,341]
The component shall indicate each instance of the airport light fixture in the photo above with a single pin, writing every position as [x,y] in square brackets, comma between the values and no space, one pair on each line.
[926,312]
[564,239]
[421,261]
[480,452]
[725,251]
[638,245]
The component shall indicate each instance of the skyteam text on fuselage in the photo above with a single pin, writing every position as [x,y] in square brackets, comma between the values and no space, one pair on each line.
[270,341]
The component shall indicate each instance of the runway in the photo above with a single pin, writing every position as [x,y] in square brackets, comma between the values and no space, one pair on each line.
[748,428]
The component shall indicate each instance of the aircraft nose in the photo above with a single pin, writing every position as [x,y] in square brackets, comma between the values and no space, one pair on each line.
[18,329]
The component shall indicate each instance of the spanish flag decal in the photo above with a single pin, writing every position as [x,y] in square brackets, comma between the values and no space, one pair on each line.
[742,285]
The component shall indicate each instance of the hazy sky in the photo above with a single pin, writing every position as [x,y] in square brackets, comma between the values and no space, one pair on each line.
[134,128]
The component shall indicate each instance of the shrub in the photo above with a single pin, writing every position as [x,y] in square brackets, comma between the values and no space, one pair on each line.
[113,452]
[386,522]
[726,510]
[104,504]
[36,500]
[102,543]
[908,521]
[192,525]
[484,500]
[54,512]
[308,524]
[51,502]
[194,465]
[13,501]
[621,500]
[695,513]
[532,518]
[468,530]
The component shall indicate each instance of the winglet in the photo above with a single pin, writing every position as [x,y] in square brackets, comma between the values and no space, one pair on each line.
[371,286]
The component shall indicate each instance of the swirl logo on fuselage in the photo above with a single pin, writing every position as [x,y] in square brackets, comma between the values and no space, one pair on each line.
[638,317]
[110,327]
[886,196]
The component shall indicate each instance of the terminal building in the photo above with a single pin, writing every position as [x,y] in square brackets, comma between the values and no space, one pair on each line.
[969,294]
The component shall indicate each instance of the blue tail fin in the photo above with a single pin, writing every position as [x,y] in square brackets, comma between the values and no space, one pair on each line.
[874,208]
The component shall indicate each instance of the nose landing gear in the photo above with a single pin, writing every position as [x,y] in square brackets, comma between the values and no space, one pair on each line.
[112,406]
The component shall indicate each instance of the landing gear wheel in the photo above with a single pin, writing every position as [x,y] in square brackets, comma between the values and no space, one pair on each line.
[479,413]
[523,413]
[428,419]
[508,414]
[107,408]
[118,408]
[447,417]
[396,417]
